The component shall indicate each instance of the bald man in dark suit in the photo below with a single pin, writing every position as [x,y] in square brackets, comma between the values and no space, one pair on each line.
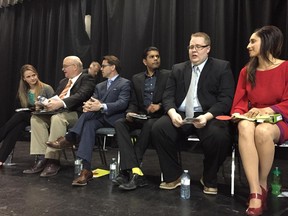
[65,111]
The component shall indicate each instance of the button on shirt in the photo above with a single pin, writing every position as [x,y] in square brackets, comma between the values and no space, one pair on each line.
[149,86]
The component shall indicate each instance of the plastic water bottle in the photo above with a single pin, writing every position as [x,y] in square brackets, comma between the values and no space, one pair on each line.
[276,182]
[113,169]
[185,185]
[44,101]
[78,166]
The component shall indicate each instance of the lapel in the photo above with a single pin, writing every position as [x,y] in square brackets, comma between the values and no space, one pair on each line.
[187,76]
[112,86]
[204,73]
[141,85]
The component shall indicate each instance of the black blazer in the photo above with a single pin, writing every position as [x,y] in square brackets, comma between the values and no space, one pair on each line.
[215,87]
[80,92]
[136,103]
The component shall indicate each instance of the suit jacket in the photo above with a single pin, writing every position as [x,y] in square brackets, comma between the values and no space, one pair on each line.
[215,87]
[80,92]
[136,103]
[116,98]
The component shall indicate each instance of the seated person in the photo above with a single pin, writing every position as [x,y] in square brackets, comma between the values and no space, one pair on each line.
[73,90]
[147,91]
[94,70]
[202,88]
[108,104]
[30,87]
[262,89]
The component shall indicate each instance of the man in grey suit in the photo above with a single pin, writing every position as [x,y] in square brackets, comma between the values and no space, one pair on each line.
[108,103]
[147,91]
[72,91]
[201,88]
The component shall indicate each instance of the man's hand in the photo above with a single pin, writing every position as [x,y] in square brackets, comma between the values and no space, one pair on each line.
[129,116]
[54,104]
[153,108]
[200,121]
[175,117]
[92,105]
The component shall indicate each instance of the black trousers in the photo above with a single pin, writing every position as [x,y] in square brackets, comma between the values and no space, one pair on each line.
[216,140]
[132,155]
[11,131]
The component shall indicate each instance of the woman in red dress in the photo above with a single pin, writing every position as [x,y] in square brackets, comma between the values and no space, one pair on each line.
[262,89]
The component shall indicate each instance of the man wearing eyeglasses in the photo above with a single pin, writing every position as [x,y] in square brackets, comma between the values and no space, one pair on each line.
[62,113]
[199,89]
[108,104]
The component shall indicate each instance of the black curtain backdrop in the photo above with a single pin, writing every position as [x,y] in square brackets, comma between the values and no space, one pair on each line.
[42,33]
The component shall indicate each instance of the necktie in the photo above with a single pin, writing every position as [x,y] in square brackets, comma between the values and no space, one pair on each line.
[65,90]
[189,106]
[109,84]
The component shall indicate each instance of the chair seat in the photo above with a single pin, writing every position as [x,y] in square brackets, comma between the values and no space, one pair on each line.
[106,131]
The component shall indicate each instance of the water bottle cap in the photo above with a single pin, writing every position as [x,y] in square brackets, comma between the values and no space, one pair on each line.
[186,171]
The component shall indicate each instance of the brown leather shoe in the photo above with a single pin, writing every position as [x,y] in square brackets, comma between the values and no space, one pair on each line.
[208,190]
[82,180]
[171,185]
[38,167]
[60,143]
[51,169]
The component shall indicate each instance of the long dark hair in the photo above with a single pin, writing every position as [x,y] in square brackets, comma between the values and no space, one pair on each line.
[271,43]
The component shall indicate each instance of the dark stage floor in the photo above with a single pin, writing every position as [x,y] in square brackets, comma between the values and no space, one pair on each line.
[31,195]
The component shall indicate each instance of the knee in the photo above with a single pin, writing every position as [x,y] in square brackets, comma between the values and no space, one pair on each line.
[263,132]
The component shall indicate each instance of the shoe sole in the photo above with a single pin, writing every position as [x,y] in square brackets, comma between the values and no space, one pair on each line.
[133,188]
[205,191]
[30,172]
[81,184]
[169,188]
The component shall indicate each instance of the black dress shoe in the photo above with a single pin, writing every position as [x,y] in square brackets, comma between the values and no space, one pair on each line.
[51,169]
[135,181]
[38,167]
[122,178]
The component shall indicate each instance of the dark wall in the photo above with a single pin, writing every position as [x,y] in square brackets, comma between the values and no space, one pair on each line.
[42,33]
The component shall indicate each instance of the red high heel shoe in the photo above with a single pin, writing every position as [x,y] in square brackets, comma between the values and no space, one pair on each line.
[264,198]
[255,211]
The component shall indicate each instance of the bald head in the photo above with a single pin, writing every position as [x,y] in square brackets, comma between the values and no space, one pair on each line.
[72,66]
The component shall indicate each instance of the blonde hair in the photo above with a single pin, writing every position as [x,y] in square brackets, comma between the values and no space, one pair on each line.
[24,87]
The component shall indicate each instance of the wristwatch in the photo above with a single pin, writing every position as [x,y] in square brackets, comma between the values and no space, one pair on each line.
[101,108]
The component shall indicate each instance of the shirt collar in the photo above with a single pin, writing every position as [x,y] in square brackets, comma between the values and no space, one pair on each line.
[200,66]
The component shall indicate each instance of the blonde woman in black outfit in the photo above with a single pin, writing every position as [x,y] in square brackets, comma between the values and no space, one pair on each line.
[30,87]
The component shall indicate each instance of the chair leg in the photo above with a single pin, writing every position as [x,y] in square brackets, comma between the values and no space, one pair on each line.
[232,172]
[73,152]
[104,143]
[64,153]
[101,144]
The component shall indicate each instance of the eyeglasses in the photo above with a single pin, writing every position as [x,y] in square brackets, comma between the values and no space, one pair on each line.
[66,66]
[197,47]
[105,65]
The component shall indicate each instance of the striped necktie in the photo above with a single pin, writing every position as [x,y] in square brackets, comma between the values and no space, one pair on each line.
[65,90]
